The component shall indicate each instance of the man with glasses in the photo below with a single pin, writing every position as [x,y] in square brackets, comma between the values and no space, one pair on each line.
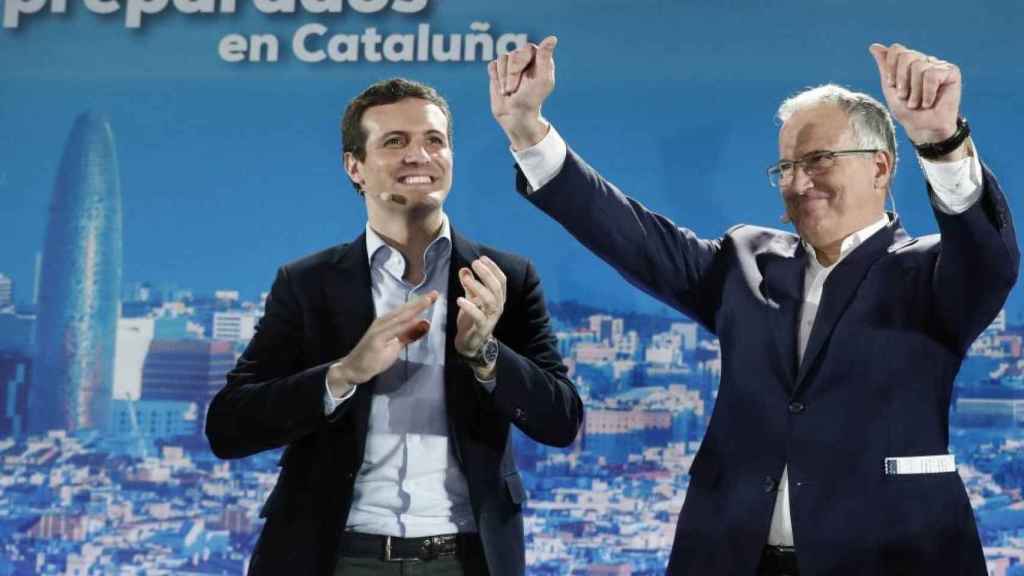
[827,450]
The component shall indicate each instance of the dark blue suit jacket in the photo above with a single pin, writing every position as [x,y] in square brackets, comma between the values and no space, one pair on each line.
[318,309]
[897,316]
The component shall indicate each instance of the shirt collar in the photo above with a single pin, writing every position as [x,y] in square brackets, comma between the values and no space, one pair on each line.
[849,243]
[378,251]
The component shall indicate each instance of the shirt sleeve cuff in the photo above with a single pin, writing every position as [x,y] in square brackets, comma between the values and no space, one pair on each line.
[543,161]
[488,384]
[331,403]
[956,186]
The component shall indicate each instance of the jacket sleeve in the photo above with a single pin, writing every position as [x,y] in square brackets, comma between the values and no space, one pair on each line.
[668,262]
[532,388]
[977,266]
[269,401]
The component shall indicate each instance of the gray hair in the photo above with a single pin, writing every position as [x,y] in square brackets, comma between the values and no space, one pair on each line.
[870,121]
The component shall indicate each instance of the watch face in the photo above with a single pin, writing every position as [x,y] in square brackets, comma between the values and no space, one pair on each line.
[490,351]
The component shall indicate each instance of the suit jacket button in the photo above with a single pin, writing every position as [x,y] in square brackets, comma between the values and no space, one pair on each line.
[769,484]
[796,407]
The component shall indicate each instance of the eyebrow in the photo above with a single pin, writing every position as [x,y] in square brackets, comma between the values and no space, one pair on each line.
[405,133]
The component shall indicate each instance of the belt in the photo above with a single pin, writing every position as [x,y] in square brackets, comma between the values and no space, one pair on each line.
[396,549]
[778,561]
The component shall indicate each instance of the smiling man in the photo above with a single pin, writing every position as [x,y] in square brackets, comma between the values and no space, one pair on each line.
[827,452]
[392,368]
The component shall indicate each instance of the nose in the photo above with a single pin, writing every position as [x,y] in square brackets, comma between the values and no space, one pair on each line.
[416,154]
[802,181]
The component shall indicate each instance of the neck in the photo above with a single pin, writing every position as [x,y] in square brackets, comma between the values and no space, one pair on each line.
[409,234]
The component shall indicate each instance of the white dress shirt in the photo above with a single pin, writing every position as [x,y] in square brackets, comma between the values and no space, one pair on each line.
[956,186]
[409,483]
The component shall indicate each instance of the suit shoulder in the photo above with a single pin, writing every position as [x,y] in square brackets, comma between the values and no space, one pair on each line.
[313,263]
[506,260]
[757,239]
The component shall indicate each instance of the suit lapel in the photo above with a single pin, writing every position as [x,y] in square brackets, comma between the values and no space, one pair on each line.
[457,374]
[346,291]
[783,285]
[841,285]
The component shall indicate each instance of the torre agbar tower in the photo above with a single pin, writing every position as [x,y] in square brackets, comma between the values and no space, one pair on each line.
[80,283]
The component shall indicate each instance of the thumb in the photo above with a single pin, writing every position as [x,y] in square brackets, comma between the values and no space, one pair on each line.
[879,52]
[546,52]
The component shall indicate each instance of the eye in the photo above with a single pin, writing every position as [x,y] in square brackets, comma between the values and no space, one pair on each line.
[436,140]
[816,159]
[392,142]
[784,167]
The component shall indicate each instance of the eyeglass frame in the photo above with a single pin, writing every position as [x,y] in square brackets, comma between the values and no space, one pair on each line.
[774,171]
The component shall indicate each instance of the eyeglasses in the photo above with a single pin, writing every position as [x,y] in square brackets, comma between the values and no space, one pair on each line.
[781,173]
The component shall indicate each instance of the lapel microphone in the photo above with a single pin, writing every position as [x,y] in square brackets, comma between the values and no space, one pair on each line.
[392,197]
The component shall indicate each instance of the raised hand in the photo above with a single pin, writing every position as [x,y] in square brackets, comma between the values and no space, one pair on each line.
[520,81]
[922,91]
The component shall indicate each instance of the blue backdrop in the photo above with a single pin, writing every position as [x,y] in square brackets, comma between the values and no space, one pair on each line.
[225,169]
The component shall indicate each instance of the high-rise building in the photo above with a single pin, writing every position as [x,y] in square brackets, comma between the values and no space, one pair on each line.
[186,370]
[15,373]
[79,285]
[6,291]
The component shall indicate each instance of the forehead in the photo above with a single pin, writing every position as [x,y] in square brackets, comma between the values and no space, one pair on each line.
[408,115]
[820,127]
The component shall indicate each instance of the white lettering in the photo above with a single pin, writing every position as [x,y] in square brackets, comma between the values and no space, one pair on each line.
[371,42]
[263,47]
[399,48]
[134,9]
[350,43]
[510,43]
[196,6]
[232,48]
[409,6]
[368,6]
[275,6]
[452,53]
[322,6]
[482,40]
[102,6]
[299,43]
[13,9]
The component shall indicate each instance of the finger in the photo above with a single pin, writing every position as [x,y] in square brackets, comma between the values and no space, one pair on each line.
[904,71]
[502,70]
[477,290]
[518,61]
[414,332]
[474,311]
[935,79]
[493,83]
[405,312]
[892,56]
[916,74]
[878,52]
[492,277]
[545,58]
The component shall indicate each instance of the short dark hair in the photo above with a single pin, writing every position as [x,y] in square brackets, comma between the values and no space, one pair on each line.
[353,136]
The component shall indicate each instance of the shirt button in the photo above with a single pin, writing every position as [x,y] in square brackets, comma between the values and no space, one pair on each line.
[769,484]
[796,407]
[520,414]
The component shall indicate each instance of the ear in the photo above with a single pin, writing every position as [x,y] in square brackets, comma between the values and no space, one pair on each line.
[883,170]
[353,167]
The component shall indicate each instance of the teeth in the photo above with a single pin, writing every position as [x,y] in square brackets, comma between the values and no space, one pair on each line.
[416,180]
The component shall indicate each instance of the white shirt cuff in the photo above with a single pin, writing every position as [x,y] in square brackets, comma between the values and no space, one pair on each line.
[956,185]
[330,402]
[543,161]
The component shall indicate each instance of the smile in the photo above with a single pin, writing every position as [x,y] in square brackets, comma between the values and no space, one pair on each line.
[417,179]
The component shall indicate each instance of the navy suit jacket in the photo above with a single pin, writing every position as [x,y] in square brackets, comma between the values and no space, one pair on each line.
[897,316]
[318,309]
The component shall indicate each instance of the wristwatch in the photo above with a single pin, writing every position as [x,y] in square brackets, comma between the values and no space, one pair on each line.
[485,355]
